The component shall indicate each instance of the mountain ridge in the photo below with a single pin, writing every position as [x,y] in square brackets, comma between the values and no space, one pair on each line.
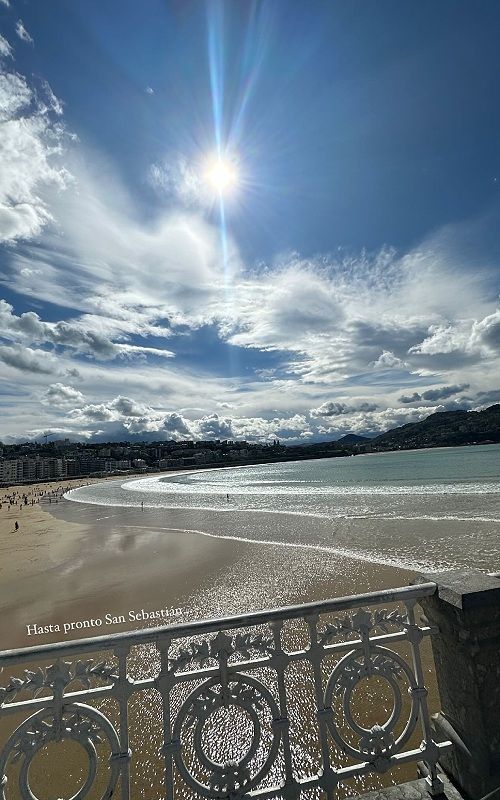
[444,429]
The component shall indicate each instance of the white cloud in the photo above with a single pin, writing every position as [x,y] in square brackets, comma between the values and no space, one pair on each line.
[182,182]
[377,422]
[30,147]
[23,33]
[341,335]
[486,333]
[77,335]
[444,339]
[388,360]
[133,350]
[169,268]
[61,396]
[55,103]
[5,48]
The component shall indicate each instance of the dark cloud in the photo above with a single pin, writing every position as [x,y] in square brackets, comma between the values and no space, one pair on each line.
[27,360]
[487,398]
[127,407]
[431,395]
[336,409]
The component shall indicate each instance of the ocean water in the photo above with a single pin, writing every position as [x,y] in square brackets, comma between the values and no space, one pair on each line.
[421,509]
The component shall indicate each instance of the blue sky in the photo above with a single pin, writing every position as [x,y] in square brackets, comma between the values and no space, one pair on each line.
[348,282]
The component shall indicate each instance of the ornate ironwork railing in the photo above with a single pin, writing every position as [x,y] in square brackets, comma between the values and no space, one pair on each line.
[263,705]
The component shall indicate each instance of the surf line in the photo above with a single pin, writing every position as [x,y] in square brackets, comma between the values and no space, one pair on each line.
[298,545]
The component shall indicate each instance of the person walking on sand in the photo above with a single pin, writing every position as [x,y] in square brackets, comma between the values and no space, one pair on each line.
[227,497]
[16,525]
[142,505]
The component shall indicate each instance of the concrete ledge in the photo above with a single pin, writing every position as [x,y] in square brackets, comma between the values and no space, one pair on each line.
[413,790]
[463,588]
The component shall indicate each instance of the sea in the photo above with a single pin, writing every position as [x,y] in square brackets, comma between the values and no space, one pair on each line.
[421,509]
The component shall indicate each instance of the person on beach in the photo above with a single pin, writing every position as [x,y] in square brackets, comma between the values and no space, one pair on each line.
[227,497]
[142,505]
[16,525]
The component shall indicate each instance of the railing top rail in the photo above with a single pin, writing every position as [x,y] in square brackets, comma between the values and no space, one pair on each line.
[178,631]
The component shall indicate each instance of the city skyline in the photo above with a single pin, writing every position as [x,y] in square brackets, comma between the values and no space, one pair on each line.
[246,221]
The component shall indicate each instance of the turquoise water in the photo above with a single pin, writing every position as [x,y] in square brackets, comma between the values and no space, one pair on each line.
[424,508]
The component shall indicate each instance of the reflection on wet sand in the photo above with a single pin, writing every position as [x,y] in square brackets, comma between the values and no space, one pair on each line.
[111,564]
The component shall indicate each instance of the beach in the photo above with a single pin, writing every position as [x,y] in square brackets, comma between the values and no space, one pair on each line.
[71,561]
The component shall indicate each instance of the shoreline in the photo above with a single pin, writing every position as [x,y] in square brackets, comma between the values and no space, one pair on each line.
[73,561]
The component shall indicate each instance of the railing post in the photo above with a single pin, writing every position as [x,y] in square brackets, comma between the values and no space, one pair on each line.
[466,609]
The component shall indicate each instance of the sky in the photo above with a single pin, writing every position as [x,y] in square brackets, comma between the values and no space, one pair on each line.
[344,277]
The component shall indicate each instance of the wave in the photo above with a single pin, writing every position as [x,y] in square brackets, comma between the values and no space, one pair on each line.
[369,557]
[283,488]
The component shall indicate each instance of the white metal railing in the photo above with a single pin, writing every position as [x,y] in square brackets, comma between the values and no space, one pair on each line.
[236,669]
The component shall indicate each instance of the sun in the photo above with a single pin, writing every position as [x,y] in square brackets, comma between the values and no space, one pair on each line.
[222,176]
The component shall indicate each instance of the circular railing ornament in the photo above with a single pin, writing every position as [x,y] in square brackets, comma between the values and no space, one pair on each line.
[78,723]
[377,744]
[236,776]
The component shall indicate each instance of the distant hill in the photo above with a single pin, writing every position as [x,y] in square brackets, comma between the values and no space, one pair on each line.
[353,438]
[444,429]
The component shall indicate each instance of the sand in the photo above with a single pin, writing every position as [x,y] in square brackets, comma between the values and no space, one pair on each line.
[71,561]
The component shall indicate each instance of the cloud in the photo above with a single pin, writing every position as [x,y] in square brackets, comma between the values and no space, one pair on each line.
[56,105]
[215,427]
[464,339]
[377,422]
[133,350]
[343,334]
[30,149]
[182,182]
[75,335]
[336,409]
[168,269]
[486,333]
[387,360]
[440,393]
[127,407]
[92,413]
[25,359]
[23,33]
[293,309]
[73,373]
[5,48]
[61,396]
[149,90]
[444,339]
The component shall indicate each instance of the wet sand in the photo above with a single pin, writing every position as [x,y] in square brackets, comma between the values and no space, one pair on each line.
[72,561]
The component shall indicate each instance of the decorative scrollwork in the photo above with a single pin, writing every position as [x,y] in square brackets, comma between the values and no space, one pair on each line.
[77,722]
[230,700]
[363,623]
[233,777]
[242,644]
[59,675]
[379,743]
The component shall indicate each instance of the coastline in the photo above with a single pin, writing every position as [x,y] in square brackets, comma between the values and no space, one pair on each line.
[73,561]
[89,564]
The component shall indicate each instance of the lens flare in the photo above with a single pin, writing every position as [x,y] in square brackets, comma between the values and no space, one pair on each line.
[222,176]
